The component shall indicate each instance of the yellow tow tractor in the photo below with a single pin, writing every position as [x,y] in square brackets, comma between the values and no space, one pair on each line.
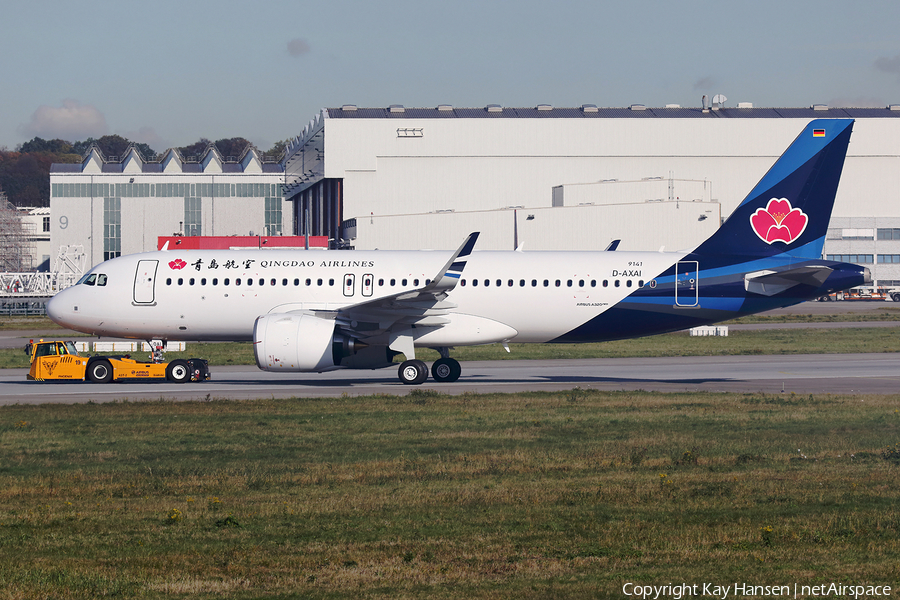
[59,360]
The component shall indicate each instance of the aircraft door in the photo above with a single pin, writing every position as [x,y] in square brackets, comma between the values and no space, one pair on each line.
[368,284]
[349,284]
[145,282]
[687,284]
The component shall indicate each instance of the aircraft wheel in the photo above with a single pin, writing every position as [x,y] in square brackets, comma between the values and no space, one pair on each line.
[178,371]
[100,371]
[446,370]
[413,372]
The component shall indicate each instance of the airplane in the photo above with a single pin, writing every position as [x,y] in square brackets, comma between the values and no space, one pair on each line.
[315,311]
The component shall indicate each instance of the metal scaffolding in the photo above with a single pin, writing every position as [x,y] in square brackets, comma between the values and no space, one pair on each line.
[16,241]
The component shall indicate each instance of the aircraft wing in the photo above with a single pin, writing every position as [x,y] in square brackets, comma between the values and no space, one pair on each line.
[425,306]
[770,283]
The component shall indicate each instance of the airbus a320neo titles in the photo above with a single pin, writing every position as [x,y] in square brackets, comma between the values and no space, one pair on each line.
[317,311]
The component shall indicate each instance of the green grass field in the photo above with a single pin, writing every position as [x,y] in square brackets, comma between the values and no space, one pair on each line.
[526,496]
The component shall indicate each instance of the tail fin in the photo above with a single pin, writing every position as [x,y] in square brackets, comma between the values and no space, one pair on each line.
[789,209]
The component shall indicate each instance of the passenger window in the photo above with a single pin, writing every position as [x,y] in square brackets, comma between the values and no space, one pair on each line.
[331,282]
[605,283]
[534,283]
[237,281]
[521,283]
[381,282]
[487,283]
[249,281]
[416,282]
[180,281]
[393,282]
[403,283]
[499,283]
[226,282]
[215,281]
[558,282]
[462,282]
[617,283]
[296,282]
[593,283]
[581,283]
[640,283]
[308,282]
[546,283]
[318,282]
[569,283]
[474,283]
[191,281]
[169,281]
[203,281]
[628,283]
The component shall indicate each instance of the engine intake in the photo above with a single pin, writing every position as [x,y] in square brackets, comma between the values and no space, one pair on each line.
[305,343]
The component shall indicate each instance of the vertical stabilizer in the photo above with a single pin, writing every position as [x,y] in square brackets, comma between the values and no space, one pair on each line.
[789,209]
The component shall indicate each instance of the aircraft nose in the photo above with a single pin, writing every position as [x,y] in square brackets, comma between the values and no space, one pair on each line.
[58,307]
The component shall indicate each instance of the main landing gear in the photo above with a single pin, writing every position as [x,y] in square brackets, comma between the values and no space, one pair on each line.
[444,370]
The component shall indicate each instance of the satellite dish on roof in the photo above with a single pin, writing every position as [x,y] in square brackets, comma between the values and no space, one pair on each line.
[719,99]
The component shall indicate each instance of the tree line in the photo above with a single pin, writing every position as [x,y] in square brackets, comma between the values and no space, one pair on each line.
[25,172]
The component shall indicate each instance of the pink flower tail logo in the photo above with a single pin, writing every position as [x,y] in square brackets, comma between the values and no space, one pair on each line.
[177,264]
[779,222]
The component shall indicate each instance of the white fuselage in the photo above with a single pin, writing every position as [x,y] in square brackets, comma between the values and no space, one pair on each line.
[217,294]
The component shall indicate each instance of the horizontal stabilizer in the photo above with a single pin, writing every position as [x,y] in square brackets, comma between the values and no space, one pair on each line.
[770,283]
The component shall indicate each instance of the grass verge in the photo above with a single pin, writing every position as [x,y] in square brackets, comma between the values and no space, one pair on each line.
[565,495]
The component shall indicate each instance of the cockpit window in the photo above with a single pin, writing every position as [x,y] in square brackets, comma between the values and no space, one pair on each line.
[89,279]
[101,280]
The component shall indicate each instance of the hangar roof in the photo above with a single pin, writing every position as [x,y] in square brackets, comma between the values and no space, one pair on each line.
[495,111]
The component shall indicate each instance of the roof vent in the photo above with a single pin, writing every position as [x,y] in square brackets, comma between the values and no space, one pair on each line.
[444,107]
[544,107]
[820,107]
[396,108]
[589,108]
[349,107]
[637,107]
[745,105]
[894,107]
[491,108]
[673,106]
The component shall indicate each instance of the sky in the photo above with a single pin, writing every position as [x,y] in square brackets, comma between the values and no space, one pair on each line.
[168,73]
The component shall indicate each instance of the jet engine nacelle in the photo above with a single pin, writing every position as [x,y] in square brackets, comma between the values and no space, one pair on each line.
[299,342]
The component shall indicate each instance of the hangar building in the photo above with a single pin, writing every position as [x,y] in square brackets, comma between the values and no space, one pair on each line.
[553,178]
[121,205]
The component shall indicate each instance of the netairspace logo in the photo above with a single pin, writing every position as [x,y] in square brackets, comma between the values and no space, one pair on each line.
[680,591]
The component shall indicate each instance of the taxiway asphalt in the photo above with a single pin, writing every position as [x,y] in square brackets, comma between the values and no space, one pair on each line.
[798,374]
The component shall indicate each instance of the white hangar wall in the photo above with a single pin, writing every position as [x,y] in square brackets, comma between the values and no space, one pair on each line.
[483,164]
[675,225]
[469,164]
